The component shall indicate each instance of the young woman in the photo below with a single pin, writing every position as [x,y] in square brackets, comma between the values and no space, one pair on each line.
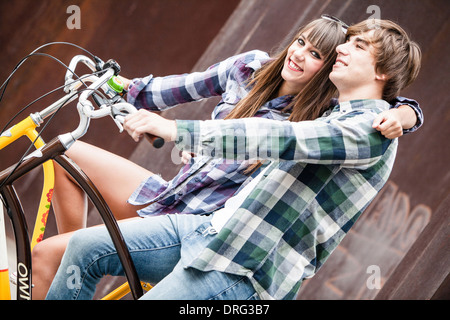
[293,85]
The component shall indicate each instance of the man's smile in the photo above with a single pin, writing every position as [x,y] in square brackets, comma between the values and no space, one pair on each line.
[340,63]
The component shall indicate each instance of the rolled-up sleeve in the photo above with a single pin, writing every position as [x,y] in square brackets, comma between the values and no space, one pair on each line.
[399,101]
[160,93]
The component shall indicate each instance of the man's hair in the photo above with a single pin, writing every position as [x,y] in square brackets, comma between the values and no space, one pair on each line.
[396,55]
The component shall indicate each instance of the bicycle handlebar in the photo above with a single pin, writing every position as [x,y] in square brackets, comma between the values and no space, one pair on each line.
[117,109]
[73,64]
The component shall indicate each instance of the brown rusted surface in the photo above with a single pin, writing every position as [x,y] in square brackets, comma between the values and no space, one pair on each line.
[159,37]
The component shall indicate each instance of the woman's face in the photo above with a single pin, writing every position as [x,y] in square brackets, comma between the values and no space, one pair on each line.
[302,62]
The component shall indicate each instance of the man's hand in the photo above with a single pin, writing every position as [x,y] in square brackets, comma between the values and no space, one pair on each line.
[389,124]
[144,121]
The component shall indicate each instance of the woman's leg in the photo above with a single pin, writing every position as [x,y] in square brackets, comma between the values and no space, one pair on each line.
[154,245]
[115,177]
[46,257]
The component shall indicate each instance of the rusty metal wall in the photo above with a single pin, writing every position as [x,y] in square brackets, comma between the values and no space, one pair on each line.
[402,237]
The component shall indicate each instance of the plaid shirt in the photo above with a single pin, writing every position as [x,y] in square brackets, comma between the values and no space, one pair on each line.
[323,174]
[203,185]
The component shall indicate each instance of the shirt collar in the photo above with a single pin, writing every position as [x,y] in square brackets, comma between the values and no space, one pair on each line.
[279,103]
[351,105]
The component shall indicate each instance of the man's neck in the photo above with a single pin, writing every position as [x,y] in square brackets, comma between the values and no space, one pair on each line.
[360,94]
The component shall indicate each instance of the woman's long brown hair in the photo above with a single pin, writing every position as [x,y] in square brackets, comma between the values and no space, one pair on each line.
[314,99]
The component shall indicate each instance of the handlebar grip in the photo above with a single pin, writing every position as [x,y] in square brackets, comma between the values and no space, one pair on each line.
[157,142]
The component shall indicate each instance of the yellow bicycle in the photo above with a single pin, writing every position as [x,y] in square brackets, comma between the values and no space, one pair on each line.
[106,91]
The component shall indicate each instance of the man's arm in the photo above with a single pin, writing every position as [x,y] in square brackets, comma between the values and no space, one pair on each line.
[349,141]
[346,139]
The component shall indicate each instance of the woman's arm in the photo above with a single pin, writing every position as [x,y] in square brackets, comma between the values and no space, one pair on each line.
[161,93]
[404,116]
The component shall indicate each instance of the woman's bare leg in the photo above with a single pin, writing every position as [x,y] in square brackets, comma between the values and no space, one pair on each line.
[115,177]
[46,257]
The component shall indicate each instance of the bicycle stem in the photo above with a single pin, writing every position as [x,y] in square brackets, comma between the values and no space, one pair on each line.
[39,117]
[72,95]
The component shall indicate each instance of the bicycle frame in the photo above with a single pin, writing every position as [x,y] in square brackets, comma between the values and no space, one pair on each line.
[55,151]
[27,128]
[4,267]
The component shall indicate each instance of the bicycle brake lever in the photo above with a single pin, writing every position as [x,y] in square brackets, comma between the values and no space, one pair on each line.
[119,125]
[119,115]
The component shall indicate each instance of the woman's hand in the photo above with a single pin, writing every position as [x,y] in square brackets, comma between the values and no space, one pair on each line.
[126,82]
[144,121]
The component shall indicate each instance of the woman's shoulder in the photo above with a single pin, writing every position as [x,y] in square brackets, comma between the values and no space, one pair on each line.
[244,64]
[250,57]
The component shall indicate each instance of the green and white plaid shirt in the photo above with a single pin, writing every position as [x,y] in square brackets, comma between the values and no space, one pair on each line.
[322,176]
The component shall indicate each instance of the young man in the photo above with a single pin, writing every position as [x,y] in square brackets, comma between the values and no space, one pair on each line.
[282,226]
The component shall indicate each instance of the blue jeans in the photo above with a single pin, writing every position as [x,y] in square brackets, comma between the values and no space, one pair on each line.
[161,247]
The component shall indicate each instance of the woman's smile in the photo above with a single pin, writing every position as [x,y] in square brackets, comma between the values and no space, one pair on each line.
[293,66]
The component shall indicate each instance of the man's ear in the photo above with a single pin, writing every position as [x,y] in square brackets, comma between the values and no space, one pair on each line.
[381,77]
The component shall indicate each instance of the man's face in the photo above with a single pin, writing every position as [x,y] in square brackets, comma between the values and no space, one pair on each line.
[355,63]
